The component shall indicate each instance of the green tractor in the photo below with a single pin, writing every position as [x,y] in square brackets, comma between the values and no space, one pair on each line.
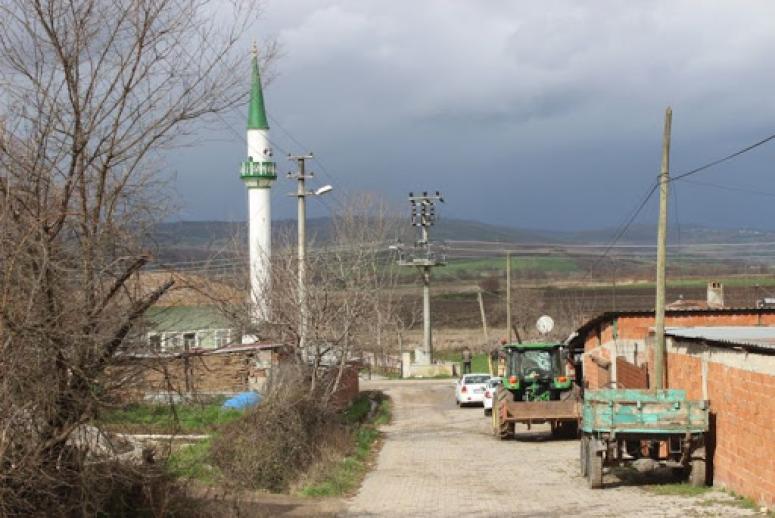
[536,388]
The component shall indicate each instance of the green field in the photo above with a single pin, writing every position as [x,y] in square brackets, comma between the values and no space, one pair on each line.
[459,268]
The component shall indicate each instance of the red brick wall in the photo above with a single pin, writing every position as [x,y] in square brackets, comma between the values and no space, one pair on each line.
[595,375]
[348,386]
[743,407]
[631,376]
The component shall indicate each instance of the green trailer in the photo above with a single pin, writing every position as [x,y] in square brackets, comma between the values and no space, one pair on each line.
[620,426]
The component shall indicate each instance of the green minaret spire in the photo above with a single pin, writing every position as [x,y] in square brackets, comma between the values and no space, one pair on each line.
[256,111]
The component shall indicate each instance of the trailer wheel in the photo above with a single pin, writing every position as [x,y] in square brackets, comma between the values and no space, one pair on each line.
[594,465]
[584,447]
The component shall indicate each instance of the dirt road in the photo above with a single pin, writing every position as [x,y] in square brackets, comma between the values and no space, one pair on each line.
[440,460]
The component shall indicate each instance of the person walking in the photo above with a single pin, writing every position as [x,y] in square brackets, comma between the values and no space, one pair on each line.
[467,357]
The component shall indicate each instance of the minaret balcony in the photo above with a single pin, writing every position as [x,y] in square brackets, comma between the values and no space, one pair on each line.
[258,173]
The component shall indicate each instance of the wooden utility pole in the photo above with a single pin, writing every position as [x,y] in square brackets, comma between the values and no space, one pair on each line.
[484,315]
[508,297]
[659,324]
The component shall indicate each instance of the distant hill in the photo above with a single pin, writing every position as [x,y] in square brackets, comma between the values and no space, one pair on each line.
[686,234]
[184,240]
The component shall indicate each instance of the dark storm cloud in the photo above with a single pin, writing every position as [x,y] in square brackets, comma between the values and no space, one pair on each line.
[510,107]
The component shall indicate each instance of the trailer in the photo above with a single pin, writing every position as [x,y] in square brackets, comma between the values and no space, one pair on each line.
[620,426]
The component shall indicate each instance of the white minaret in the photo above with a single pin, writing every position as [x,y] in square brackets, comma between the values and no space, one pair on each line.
[259,173]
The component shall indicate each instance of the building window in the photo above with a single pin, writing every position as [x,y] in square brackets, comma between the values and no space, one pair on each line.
[172,341]
[189,341]
[154,343]
[221,337]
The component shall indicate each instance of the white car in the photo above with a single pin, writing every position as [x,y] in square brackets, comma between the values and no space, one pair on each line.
[470,389]
[489,393]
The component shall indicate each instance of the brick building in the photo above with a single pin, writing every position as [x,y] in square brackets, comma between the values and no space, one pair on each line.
[724,355]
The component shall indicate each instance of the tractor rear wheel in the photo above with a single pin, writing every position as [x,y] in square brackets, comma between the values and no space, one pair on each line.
[594,465]
[505,429]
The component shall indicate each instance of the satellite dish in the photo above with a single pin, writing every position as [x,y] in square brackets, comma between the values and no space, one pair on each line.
[545,325]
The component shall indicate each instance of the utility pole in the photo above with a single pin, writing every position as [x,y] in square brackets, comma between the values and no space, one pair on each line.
[301,194]
[659,324]
[424,216]
[508,297]
[484,315]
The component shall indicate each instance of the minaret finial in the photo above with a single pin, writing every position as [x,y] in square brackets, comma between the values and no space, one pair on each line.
[254,50]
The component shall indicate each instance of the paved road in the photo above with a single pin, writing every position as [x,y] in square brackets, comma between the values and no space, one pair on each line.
[439,460]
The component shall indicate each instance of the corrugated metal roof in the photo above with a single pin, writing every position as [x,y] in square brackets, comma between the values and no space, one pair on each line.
[576,340]
[753,336]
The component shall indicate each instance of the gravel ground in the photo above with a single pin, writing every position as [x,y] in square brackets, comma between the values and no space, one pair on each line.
[440,460]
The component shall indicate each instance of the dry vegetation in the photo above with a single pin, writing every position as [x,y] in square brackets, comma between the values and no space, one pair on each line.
[92,91]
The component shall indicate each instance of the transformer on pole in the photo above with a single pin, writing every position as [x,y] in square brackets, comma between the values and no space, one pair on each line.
[424,258]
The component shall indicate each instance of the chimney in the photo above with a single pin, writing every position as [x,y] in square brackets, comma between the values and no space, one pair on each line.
[715,295]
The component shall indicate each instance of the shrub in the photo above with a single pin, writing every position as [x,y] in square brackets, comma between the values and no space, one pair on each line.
[272,444]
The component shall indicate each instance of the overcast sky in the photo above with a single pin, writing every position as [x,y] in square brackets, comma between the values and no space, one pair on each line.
[533,114]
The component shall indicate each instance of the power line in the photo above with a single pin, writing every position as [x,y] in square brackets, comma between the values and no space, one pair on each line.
[315,158]
[623,229]
[730,188]
[724,159]
[681,176]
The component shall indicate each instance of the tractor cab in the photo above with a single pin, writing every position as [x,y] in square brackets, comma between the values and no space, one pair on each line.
[536,371]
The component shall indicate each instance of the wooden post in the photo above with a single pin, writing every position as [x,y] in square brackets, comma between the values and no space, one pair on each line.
[659,321]
[484,316]
[508,297]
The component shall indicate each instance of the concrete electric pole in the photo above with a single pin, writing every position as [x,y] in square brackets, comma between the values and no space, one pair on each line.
[301,194]
[424,216]
[659,323]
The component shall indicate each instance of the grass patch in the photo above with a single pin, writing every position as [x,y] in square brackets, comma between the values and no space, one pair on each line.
[163,418]
[744,502]
[193,462]
[479,361]
[678,489]
[344,476]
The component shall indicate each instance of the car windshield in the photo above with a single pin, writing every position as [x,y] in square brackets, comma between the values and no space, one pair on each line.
[468,380]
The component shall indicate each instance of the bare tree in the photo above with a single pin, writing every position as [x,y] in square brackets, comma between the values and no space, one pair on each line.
[92,91]
[351,303]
